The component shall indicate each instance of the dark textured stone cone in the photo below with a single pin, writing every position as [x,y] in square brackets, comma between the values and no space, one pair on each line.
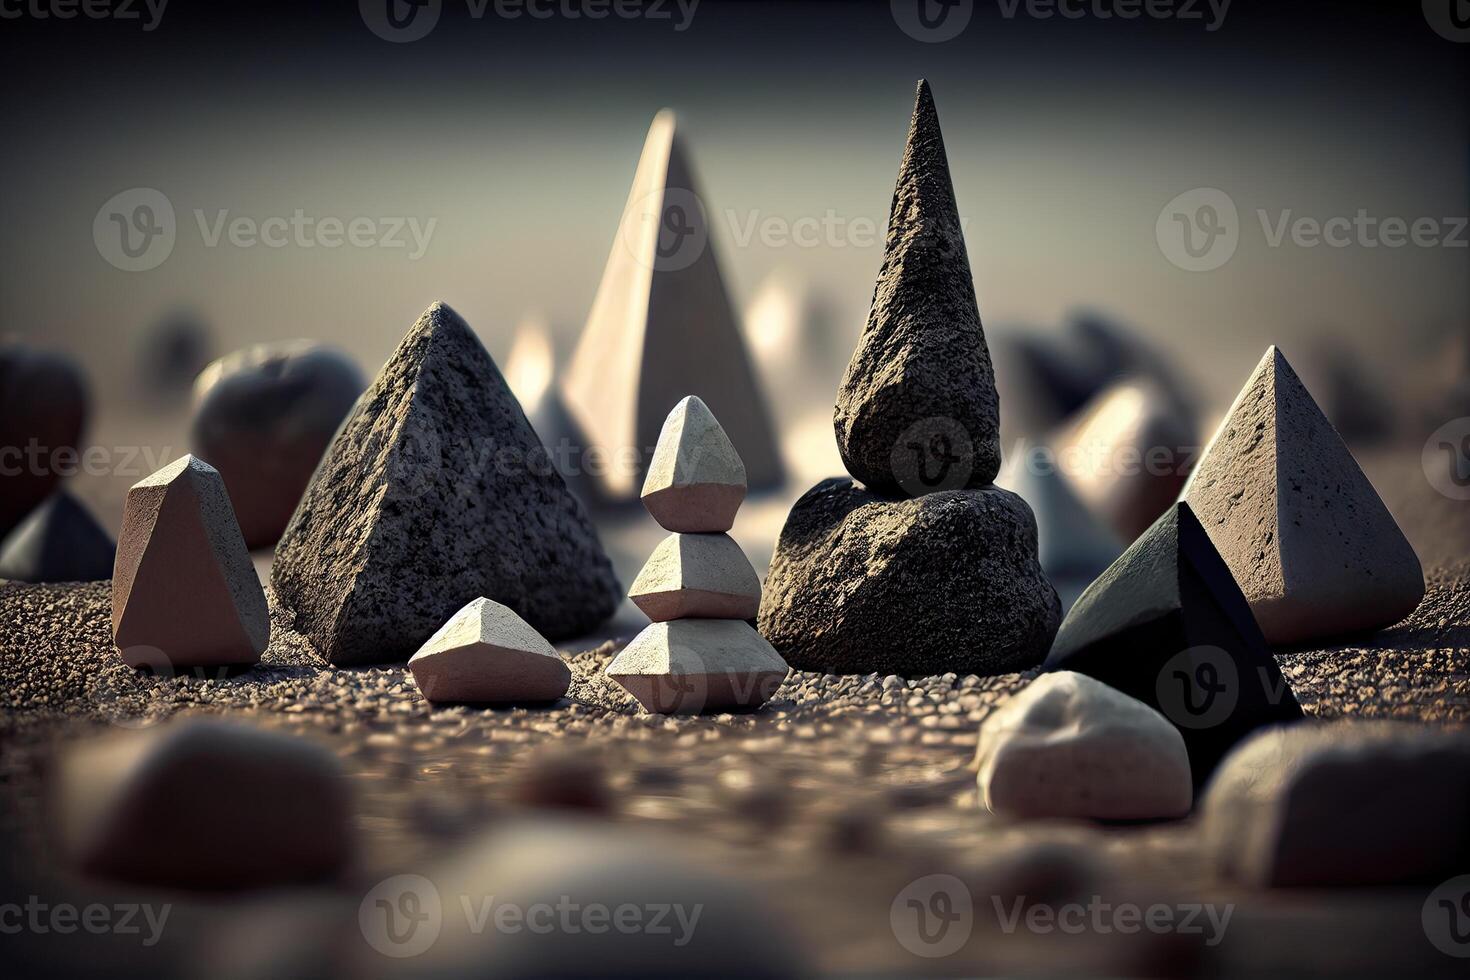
[1167,625]
[944,582]
[920,381]
[435,492]
[59,541]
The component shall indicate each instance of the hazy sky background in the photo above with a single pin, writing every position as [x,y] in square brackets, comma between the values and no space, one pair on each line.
[519,139]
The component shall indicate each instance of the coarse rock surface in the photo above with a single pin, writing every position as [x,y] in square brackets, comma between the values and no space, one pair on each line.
[435,492]
[184,593]
[1069,746]
[44,403]
[263,417]
[204,804]
[697,576]
[488,654]
[1317,805]
[1306,536]
[696,479]
[944,582]
[917,410]
[695,665]
[1167,625]
[59,541]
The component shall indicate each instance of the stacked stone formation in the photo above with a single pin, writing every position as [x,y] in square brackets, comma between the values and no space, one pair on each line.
[698,587]
[924,567]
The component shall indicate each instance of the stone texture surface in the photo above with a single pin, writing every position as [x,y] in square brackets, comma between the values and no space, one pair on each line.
[488,654]
[435,492]
[699,665]
[696,480]
[1167,625]
[662,326]
[204,805]
[1070,746]
[44,404]
[59,541]
[919,390]
[184,592]
[703,576]
[1347,803]
[1306,536]
[944,582]
[263,417]
[1126,455]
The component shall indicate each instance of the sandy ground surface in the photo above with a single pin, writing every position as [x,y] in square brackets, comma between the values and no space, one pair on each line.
[828,802]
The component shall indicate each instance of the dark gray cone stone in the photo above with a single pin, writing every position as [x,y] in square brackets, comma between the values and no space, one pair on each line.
[1167,625]
[944,582]
[59,541]
[436,492]
[917,411]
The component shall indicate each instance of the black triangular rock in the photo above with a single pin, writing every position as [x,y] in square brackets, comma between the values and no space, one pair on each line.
[1167,625]
[434,493]
[59,541]
[921,379]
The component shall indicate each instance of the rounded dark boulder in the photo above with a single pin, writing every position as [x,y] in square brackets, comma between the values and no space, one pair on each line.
[855,586]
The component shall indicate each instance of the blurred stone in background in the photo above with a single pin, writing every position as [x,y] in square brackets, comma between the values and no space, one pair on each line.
[44,405]
[531,371]
[263,417]
[170,354]
[59,541]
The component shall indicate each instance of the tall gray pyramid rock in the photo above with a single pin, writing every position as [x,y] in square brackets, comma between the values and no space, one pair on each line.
[920,383]
[1314,549]
[662,327]
[436,492]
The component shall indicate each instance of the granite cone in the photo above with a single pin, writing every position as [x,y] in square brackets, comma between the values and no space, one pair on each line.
[917,410]
[1166,624]
[944,582]
[1313,547]
[59,541]
[662,326]
[184,592]
[700,576]
[690,666]
[488,654]
[1070,746]
[696,479]
[1346,803]
[435,492]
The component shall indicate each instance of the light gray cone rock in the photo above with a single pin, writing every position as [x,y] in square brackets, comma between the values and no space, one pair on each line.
[1070,746]
[699,665]
[1344,803]
[488,654]
[696,479]
[917,410]
[263,417]
[204,804]
[704,576]
[1314,549]
[184,592]
[435,492]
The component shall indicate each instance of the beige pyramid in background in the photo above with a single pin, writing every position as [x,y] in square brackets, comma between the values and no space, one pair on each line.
[662,326]
[1313,548]
[487,654]
[184,592]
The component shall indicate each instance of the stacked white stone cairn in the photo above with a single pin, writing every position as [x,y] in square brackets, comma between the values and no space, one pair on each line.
[699,654]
